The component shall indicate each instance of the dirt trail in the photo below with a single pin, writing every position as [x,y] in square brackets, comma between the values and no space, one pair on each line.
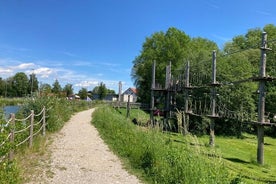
[79,155]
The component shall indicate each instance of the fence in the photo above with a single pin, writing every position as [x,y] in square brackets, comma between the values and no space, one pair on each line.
[15,134]
[132,105]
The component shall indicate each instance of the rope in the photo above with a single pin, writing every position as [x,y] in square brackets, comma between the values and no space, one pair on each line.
[38,122]
[38,131]
[23,141]
[2,144]
[9,121]
[40,112]
[3,158]
[24,119]
[22,130]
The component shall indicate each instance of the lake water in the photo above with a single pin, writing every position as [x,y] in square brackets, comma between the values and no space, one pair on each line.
[10,109]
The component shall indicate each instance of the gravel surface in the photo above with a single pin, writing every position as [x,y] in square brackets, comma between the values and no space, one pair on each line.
[79,155]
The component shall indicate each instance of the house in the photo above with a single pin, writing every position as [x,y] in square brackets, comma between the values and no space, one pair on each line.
[132,93]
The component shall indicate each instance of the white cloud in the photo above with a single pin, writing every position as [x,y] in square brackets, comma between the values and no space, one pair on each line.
[23,66]
[86,84]
[6,71]
[44,72]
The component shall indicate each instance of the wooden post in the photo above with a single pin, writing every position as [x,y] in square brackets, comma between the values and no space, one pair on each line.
[152,94]
[11,153]
[120,94]
[186,113]
[213,101]
[128,105]
[44,121]
[261,103]
[168,95]
[31,129]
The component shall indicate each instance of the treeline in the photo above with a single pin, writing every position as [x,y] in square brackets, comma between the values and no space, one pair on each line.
[238,60]
[20,85]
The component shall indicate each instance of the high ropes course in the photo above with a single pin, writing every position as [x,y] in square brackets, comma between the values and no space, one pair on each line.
[204,100]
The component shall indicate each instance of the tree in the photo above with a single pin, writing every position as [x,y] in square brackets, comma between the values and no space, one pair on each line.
[46,89]
[68,89]
[173,46]
[83,93]
[101,91]
[163,48]
[111,92]
[33,84]
[3,85]
[20,84]
[56,87]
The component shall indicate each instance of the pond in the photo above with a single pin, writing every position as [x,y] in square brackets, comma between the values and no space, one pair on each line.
[10,109]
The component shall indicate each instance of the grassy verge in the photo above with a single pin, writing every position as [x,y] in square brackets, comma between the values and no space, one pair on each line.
[58,112]
[155,155]
[238,155]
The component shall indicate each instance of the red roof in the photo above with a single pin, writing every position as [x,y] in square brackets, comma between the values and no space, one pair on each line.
[134,90]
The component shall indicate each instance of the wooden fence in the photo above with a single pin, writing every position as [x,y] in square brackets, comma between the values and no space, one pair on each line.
[132,105]
[28,126]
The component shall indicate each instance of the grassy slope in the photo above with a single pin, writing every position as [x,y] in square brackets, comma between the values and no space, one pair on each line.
[155,154]
[238,154]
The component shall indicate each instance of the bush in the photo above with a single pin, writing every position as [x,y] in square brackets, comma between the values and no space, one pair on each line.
[9,173]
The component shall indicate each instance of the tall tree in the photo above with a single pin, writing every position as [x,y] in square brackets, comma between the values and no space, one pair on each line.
[45,88]
[2,87]
[20,84]
[102,91]
[68,89]
[171,46]
[33,83]
[56,87]
[83,93]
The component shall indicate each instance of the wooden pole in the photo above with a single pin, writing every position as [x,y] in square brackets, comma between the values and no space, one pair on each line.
[120,94]
[187,85]
[152,94]
[31,129]
[168,95]
[213,101]
[44,121]
[261,103]
[128,105]
[11,153]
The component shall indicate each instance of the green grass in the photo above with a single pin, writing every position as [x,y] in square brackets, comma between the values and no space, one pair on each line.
[235,156]
[240,156]
[155,155]
[141,116]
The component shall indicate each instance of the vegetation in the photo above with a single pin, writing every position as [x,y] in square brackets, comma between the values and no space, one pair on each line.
[174,158]
[157,157]
[240,157]
[59,110]
[102,91]
[237,61]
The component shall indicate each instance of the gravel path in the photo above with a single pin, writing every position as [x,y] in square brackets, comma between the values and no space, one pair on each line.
[79,155]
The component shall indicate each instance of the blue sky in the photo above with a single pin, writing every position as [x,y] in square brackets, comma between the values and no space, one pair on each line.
[85,42]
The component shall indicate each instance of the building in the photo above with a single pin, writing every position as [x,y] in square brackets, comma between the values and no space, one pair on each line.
[132,93]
